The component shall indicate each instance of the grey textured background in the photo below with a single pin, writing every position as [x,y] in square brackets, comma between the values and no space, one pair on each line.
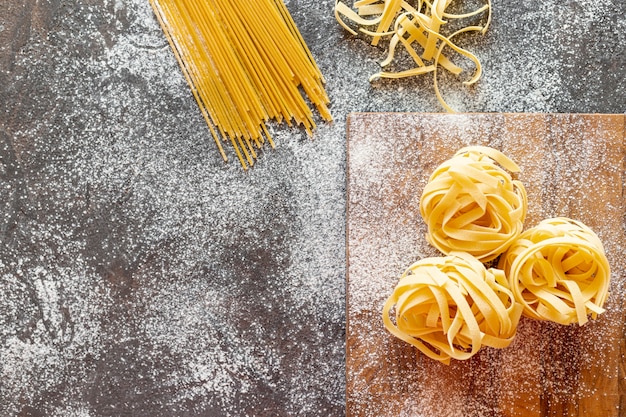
[142,276]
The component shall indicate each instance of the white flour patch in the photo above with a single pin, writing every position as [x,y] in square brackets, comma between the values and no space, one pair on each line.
[140,274]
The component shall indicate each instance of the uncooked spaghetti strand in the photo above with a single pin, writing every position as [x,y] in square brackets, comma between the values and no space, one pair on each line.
[253,62]
[294,29]
[267,135]
[208,80]
[292,100]
[160,16]
[196,77]
[229,67]
[220,98]
[246,55]
[299,58]
[256,70]
[251,115]
[283,74]
[305,74]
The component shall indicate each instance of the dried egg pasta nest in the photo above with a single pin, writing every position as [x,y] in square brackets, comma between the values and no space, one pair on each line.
[558,271]
[472,205]
[448,307]
[420,27]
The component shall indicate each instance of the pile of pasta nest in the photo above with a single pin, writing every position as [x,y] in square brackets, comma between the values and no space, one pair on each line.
[450,306]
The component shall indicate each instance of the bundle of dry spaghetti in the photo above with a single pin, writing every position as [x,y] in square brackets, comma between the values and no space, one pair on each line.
[245,64]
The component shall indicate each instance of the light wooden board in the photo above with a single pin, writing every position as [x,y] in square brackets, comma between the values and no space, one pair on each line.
[572,165]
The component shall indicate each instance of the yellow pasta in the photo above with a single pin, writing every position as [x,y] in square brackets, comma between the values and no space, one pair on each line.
[245,64]
[449,307]
[418,26]
[558,271]
[472,205]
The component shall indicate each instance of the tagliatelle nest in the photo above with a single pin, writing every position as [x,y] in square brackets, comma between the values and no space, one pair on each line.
[448,307]
[420,27]
[559,272]
[472,205]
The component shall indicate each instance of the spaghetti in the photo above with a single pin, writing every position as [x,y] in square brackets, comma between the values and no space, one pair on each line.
[245,65]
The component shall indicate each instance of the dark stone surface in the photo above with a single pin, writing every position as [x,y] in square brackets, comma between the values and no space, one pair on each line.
[142,276]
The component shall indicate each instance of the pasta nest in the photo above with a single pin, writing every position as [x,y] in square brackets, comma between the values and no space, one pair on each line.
[448,307]
[558,270]
[471,204]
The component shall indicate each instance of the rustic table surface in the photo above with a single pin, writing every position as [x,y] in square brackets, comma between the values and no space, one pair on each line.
[142,276]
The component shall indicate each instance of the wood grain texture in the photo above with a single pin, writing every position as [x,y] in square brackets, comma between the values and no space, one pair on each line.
[572,165]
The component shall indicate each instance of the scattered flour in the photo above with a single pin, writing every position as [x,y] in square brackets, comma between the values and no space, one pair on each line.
[548,365]
[141,275]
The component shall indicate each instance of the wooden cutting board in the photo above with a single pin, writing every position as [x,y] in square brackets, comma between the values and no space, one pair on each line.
[572,165]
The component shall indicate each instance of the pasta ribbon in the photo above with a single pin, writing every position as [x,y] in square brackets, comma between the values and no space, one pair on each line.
[472,205]
[558,271]
[420,27]
[449,307]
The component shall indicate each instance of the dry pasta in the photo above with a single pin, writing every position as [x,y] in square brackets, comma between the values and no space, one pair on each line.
[420,28]
[558,271]
[448,307]
[245,64]
[470,204]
